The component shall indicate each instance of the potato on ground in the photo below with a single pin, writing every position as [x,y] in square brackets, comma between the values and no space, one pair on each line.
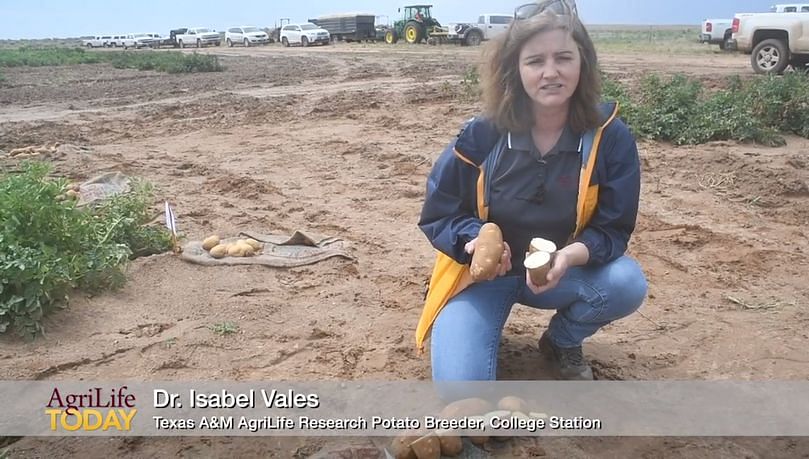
[253,243]
[513,403]
[246,249]
[466,407]
[400,447]
[451,443]
[210,242]
[219,251]
[427,447]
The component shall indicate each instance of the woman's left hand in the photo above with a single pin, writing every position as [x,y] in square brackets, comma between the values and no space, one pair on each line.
[561,263]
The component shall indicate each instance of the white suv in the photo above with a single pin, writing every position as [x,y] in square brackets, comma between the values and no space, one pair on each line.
[246,35]
[304,34]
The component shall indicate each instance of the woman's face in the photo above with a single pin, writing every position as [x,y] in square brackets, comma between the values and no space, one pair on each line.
[550,65]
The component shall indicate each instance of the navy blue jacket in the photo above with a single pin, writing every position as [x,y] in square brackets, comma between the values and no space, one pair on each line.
[449,216]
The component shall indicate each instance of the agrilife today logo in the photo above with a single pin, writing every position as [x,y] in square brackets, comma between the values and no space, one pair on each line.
[95,409]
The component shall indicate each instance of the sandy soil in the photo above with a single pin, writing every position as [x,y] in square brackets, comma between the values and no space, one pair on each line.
[339,140]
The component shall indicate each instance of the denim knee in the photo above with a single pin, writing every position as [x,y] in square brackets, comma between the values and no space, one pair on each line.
[629,287]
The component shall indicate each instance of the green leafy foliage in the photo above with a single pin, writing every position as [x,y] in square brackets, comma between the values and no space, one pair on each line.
[49,246]
[170,62]
[39,57]
[680,110]
[471,83]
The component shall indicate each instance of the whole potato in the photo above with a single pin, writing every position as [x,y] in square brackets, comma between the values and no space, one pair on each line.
[234,250]
[466,407]
[427,447]
[488,251]
[400,447]
[247,250]
[219,251]
[513,403]
[451,445]
[210,242]
[254,244]
[479,440]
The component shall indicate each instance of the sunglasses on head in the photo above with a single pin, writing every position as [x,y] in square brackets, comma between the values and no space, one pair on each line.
[560,7]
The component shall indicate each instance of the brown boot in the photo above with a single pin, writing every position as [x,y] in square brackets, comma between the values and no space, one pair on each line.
[569,361]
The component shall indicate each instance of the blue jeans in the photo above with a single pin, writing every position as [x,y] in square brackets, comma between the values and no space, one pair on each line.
[466,335]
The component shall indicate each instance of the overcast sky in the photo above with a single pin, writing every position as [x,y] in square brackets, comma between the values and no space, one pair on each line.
[71,18]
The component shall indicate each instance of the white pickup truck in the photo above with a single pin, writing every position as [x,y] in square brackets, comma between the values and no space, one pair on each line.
[487,27]
[773,40]
[198,36]
[716,32]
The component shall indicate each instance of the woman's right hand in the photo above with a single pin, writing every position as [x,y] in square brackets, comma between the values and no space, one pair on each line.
[505,260]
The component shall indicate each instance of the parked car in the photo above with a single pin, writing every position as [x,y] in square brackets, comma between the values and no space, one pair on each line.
[487,27]
[716,32]
[773,40]
[198,36]
[304,34]
[246,35]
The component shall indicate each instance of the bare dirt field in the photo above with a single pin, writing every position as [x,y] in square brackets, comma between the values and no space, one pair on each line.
[339,141]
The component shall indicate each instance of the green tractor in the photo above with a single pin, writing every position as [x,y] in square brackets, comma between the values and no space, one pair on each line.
[416,25]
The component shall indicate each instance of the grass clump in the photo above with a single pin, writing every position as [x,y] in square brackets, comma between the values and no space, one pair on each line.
[48,246]
[224,328]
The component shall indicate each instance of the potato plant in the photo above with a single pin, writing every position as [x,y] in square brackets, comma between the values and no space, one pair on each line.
[48,246]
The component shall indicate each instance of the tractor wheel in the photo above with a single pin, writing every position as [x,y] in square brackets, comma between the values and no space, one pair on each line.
[391,37]
[413,32]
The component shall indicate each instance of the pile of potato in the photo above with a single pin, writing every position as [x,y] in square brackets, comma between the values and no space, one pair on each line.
[33,150]
[240,248]
[433,445]
[71,193]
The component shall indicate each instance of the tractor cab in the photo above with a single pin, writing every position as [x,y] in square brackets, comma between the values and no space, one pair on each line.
[416,25]
[417,12]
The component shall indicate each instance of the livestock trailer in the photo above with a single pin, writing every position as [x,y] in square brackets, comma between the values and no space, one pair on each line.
[348,27]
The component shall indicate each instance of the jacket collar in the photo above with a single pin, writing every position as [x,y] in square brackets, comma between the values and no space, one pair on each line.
[568,142]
